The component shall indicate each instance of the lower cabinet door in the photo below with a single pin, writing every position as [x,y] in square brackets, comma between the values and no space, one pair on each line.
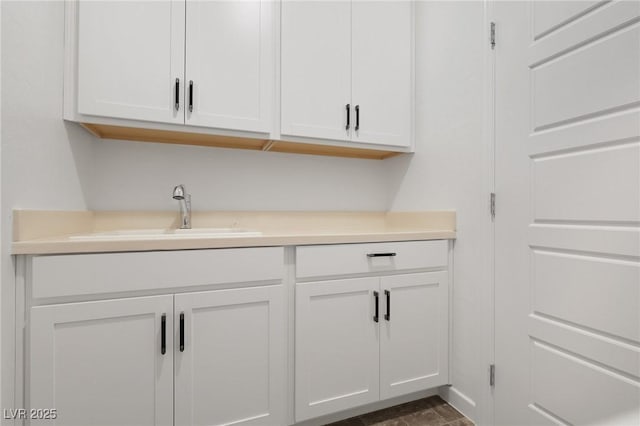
[102,363]
[230,357]
[413,333]
[337,351]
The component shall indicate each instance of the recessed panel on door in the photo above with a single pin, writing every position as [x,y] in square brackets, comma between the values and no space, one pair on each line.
[131,59]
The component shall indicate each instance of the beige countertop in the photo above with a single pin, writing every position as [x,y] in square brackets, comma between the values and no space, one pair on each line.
[53,232]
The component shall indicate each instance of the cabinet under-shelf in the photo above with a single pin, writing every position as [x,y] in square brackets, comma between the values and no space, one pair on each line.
[106,131]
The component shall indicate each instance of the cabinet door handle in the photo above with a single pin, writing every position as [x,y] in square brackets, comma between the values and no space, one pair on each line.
[190,95]
[176,97]
[375,295]
[387,316]
[181,331]
[348,107]
[163,334]
[381,254]
[357,117]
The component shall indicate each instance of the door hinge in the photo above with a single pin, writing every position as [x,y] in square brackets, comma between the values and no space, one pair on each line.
[492,375]
[492,205]
[493,35]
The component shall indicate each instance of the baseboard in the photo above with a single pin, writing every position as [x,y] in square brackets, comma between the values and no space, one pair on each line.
[358,411]
[460,402]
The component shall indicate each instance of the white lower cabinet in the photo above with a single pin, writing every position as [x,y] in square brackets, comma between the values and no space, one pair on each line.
[336,346]
[101,363]
[230,357]
[117,362]
[215,357]
[364,339]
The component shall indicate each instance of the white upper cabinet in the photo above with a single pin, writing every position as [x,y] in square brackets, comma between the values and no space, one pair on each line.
[347,71]
[229,56]
[381,71]
[202,63]
[130,56]
[316,69]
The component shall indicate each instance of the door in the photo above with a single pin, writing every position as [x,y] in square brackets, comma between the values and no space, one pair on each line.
[102,363]
[230,357]
[229,64]
[414,333]
[337,346]
[316,69]
[567,234]
[382,71]
[131,60]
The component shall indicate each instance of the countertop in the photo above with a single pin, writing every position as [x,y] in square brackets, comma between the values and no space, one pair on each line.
[51,232]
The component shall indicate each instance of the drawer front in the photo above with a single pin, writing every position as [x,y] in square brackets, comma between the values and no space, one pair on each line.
[86,274]
[345,259]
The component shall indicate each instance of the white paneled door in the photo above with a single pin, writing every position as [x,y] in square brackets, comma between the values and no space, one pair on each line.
[131,59]
[414,325]
[230,357]
[381,71]
[567,230]
[337,346]
[229,64]
[316,69]
[106,362]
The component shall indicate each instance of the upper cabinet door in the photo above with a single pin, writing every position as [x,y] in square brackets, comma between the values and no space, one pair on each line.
[316,69]
[229,64]
[382,71]
[130,58]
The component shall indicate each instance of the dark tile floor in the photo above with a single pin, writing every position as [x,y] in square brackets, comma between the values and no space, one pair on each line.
[432,411]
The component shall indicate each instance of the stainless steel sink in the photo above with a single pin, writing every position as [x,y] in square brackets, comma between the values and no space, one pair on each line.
[151,234]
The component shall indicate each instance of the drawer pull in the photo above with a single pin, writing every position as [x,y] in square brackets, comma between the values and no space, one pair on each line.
[387,316]
[380,254]
[181,331]
[163,334]
[375,295]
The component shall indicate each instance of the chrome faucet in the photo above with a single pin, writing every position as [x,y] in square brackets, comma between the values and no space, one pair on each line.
[180,194]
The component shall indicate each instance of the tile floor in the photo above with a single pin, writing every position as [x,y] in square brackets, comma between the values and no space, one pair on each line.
[432,411]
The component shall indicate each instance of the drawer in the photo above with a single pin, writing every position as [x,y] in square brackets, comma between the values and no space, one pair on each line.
[85,274]
[345,259]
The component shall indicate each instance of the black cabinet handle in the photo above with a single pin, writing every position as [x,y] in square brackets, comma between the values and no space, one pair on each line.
[190,95]
[375,295]
[163,334]
[381,254]
[176,97]
[181,331]
[357,117]
[387,316]
[348,107]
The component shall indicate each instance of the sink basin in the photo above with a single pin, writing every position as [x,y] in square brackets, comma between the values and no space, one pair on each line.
[146,234]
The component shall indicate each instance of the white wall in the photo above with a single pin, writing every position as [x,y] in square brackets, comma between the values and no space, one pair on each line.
[142,176]
[45,163]
[449,171]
